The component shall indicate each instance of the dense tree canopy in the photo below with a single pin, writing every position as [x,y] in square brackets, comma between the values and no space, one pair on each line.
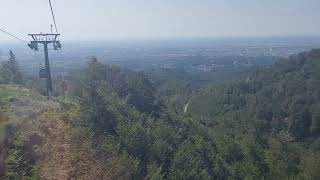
[264,126]
[260,127]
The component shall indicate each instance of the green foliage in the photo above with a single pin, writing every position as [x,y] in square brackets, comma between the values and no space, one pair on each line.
[154,172]
[131,166]
[301,124]
[9,71]
[284,98]
[315,125]
[132,137]
[265,126]
[19,162]
[35,174]
[191,161]
[135,87]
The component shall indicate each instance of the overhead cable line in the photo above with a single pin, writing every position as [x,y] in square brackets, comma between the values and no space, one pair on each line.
[6,32]
[54,19]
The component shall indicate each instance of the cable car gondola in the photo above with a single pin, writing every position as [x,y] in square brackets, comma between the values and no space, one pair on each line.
[43,73]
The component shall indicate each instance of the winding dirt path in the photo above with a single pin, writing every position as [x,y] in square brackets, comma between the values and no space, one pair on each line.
[57,162]
[67,151]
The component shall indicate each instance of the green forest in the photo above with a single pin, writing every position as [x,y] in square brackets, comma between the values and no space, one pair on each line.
[109,122]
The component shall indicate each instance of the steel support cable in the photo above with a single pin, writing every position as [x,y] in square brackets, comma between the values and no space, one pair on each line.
[6,32]
[54,19]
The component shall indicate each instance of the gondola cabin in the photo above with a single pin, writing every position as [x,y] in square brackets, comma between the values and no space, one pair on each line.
[43,73]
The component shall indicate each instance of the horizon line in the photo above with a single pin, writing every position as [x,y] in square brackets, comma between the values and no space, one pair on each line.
[177,38]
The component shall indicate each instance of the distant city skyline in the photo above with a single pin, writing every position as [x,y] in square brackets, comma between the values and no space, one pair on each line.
[141,19]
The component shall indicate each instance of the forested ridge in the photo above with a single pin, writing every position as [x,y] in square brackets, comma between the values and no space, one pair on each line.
[265,126]
[285,98]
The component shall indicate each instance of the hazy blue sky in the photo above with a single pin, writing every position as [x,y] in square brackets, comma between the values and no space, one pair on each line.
[94,19]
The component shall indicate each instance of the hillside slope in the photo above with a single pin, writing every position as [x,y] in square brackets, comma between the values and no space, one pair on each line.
[276,109]
[38,139]
[286,97]
[265,126]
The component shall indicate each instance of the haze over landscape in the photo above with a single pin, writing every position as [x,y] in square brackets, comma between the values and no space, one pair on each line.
[160,89]
[105,19]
